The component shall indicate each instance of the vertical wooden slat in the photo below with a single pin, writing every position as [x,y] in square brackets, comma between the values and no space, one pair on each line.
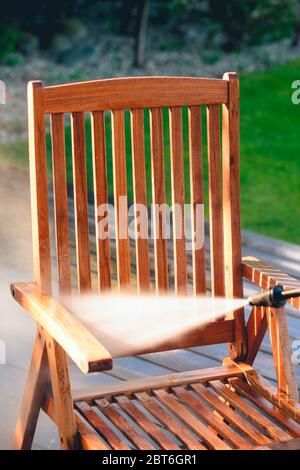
[80,201]
[100,197]
[196,185]
[178,198]
[38,186]
[120,197]
[140,196]
[61,203]
[57,357]
[159,198]
[231,209]
[215,200]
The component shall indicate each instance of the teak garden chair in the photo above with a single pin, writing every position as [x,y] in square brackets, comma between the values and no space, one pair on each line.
[227,407]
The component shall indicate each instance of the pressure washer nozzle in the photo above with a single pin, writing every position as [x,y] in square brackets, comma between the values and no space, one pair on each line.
[271,297]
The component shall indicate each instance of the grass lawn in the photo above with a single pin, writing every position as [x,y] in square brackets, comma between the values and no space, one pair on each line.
[270,153]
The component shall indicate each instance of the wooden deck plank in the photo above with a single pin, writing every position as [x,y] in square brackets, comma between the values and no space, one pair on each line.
[180,360]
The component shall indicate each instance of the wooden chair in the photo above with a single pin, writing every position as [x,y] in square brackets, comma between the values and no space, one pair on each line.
[230,406]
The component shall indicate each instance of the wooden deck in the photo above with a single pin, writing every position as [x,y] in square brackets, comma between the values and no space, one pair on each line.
[17,331]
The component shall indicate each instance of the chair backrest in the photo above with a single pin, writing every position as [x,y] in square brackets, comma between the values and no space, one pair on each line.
[135,95]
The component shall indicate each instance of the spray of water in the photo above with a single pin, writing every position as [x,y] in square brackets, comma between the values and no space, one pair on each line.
[126,324]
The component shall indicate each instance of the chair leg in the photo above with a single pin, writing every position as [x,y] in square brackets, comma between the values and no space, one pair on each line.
[37,378]
[47,357]
[64,410]
[282,353]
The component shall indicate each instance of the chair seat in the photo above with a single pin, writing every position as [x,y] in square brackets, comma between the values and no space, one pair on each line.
[220,412]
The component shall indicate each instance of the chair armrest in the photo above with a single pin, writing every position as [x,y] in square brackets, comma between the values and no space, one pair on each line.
[265,275]
[65,328]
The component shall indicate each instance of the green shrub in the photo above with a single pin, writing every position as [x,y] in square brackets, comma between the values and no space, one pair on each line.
[9,40]
[252,21]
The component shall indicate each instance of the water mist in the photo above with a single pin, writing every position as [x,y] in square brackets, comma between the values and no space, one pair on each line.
[126,323]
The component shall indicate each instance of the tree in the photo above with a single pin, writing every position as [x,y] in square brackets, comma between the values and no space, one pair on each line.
[296,32]
[142,18]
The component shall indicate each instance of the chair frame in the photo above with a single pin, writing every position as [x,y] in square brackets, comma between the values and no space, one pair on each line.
[58,333]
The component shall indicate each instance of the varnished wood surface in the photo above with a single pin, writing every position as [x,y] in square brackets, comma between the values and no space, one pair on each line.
[141,92]
[209,412]
[77,99]
[64,327]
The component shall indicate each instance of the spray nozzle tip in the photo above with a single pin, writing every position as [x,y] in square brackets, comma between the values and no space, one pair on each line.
[271,297]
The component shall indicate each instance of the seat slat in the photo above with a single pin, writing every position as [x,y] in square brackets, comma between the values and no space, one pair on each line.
[146,424]
[178,199]
[61,203]
[140,197]
[148,383]
[101,427]
[120,198]
[114,415]
[80,201]
[269,391]
[197,197]
[185,411]
[231,416]
[159,198]
[215,201]
[274,431]
[193,423]
[214,421]
[88,439]
[168,420]
[243,389]
[100,198]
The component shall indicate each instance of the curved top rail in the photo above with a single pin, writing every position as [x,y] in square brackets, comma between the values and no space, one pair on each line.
[136,92]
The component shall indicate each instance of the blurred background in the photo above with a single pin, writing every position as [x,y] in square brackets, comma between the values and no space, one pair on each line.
[75,40]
